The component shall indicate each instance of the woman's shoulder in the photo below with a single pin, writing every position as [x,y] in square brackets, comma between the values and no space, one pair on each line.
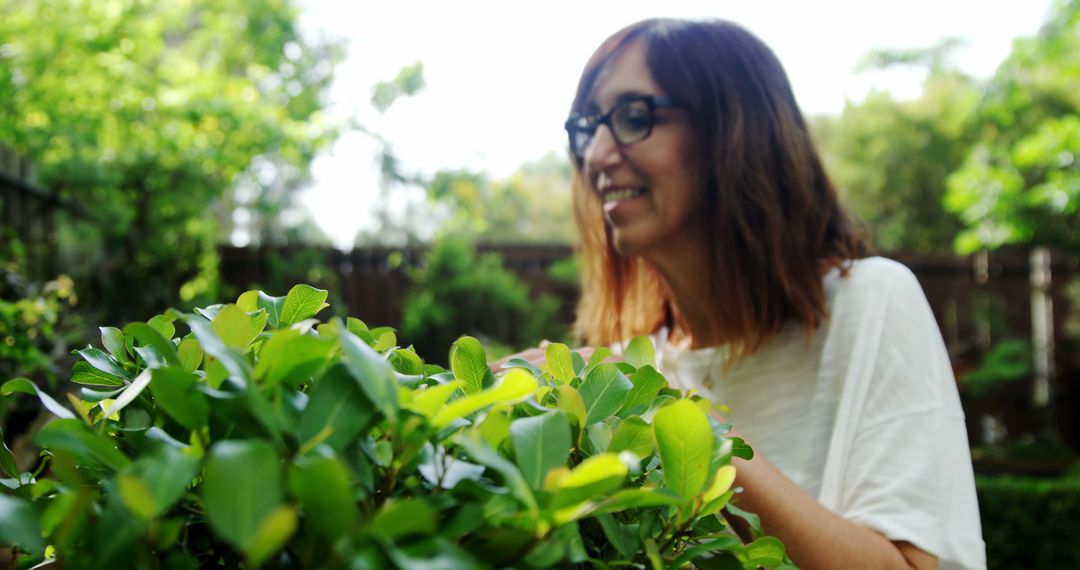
[873,281]
[875,277]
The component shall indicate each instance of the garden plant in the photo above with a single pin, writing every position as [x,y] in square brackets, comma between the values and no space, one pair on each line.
[253,435]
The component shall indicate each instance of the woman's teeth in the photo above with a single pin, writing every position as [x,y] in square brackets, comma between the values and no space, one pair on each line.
[622,194]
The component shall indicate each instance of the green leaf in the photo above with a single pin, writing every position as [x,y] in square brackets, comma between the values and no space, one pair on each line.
[599,436]
[541,443]
[406,361]
[521,363]
[273,307]
[83,373]
[324,490]
[724,543]
[358,328]
[598,356]
[386,341]
[163,324]
[766,551]
[604,391]
[232,361]
[577,361]
[741,449]
[685,441]
[174,392]
[402,518]
[113,341]
[495,428]
[241,488]
[721,483]
[384,453]
[130,393]
[103,362]
[190,354]
[469,364]
[7,460]
[248,301]
[157,480]
[429,400]
[516,386]
[559,362]
[236,329]
[89,449]
[291,357]
[19,526]
[752,520]
[152,337]
[592,479]
[633,435]
[647,384]
[25,386]
[209,312]
[272,535]
[374,374]
[513,478]
[624,541]
[135,496]
[640,352]
[637,498]
[337,410]
[570,402]
[302,302]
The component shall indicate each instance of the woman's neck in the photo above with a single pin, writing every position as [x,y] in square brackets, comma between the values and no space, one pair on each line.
[685,271]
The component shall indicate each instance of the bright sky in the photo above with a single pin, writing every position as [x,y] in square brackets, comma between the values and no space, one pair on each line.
[500,73]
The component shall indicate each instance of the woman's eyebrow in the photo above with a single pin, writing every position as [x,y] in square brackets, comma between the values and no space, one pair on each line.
[628,95]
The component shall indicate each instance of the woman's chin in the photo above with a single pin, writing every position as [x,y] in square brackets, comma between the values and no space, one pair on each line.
[629,243]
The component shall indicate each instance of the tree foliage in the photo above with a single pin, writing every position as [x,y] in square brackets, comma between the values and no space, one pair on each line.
[147,113]
[1020,182]
[890,159]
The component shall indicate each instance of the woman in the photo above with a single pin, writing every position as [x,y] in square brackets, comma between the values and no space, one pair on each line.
[707,220]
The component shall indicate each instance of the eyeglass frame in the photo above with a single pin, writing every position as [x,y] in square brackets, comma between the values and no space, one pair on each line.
[653,102]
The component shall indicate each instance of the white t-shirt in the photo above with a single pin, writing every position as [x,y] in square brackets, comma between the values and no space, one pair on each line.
[864,415]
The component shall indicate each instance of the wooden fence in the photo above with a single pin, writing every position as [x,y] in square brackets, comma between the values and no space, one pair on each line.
[977,301]
[27,213]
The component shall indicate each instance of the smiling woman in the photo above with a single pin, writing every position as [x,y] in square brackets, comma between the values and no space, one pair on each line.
[708,222]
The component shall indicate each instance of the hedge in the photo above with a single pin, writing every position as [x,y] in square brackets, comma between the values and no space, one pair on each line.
[1030,523]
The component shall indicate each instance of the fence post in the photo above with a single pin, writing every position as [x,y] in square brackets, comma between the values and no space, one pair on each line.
[1042,336]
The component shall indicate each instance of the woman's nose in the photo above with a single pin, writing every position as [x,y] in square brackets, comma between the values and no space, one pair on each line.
[603,150]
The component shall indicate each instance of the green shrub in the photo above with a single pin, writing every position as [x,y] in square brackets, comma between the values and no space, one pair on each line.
[457,291]
[251,434]
[1030,523]
[34,324]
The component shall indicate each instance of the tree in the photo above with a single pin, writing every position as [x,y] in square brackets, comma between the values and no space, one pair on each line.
[1020,184]
[531,205]
[890,159]
[147,113]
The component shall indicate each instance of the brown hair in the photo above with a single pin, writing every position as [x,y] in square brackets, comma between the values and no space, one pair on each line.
[775,224]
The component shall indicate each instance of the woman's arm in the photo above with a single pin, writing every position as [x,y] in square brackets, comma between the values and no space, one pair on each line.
[814,536]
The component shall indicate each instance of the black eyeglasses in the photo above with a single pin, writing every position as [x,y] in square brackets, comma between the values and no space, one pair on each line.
[630,121]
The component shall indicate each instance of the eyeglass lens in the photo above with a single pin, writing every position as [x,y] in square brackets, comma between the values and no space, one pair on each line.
[629,121]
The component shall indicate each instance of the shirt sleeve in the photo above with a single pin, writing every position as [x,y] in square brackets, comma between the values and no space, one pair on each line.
[909,474]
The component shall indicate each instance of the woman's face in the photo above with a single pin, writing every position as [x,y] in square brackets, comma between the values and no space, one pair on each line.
[650,189]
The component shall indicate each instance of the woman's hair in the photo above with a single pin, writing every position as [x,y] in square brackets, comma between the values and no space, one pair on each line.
[774,222]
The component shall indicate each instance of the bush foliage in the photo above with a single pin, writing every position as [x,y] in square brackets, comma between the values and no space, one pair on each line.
[251,434]
[457,290]
[1030,522]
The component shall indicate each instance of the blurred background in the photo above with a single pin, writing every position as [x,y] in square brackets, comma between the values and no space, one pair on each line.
[410,159]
